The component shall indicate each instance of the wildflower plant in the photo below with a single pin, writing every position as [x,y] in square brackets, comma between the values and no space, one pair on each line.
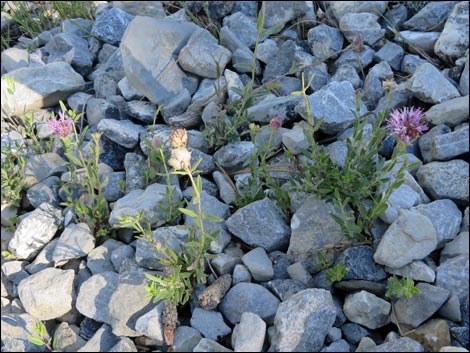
[41,337]
[182,270]
[91,207]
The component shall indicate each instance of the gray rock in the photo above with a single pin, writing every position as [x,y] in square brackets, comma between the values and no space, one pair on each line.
[338,9]
[226,190]
[315,71]
[451,309]
[242,61]
[453,41]
[325,42]
[78,101]
[16,328]
[194,56]
[44,258]
[402,344]
[113,67]
[303,321]
[456,247]
[14,58]
[47,294]
[248,8]
[282,107]
[465,223]
[413,311]
[145,254]
[241,274]
[337,346]
[137,8]
[447,146]
[431,17]
[230,41]
[233,81]
[259,264]
[298,272]
[281,12]
[418,42]
[266,50]
[98,109]
[159,80]
[243,27]
[208,345]
[445,180]
[118,300]
[125,344]
[260,223]
[373,83]
[452,274]
[35,231]
[295,139]
[445,217]
[40,87]
[209,323]
[410,237]
[75,241]
[365,23]
[426,140]
[122,132]
[67,338]
[45,191]
[223,264]
[70,48]
[101,341]
[41,166]
[234,155]
[110,25]
[121,257]
[350,57]
[282,62]
[151,324]
[391,53]
[99,259]
[312,228]
[112,190]
[402,198]
[360,264]
[336,103]
[143,111]
[429,85]
[150,201]
[410,63]
[213,207]
[78,26]
[135,165]
[348,73]
[248,297]
[463,83]
[353,332]
[367,309]
[248,335]
[452,112]
[416,270]
[285,288]
[127,91]
[186,338]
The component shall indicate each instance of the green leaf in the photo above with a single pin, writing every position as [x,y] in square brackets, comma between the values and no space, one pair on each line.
[212,218]
[36,340]
[260,21]
[188,212]
[271,30]
[244,66]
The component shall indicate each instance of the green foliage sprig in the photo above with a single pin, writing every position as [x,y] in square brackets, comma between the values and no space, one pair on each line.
[401,288]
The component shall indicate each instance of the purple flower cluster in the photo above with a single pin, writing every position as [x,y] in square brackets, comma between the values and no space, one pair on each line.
[407,124]
[61,127]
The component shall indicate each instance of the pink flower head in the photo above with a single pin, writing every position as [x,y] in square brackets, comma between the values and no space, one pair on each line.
[407,124]
[275,123]
[61,127]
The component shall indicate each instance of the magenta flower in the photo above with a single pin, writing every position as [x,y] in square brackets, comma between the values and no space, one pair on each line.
[61,127]
[407,124]
[275,123]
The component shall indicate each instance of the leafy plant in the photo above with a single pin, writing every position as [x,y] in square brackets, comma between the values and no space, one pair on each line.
[336,273]
[74,9]
[91,207]
[13,179]
[41,337]
[401,288]
[182,270]
[355,188]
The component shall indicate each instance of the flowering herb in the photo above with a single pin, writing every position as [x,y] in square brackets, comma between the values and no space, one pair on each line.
[407,124]
[61,127]
[275,123]
[180,156]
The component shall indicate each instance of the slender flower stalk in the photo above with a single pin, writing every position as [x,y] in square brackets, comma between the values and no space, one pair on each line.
[407,124]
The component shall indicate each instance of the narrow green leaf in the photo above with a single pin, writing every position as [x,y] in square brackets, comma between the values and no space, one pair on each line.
[36,340]
[188,212]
